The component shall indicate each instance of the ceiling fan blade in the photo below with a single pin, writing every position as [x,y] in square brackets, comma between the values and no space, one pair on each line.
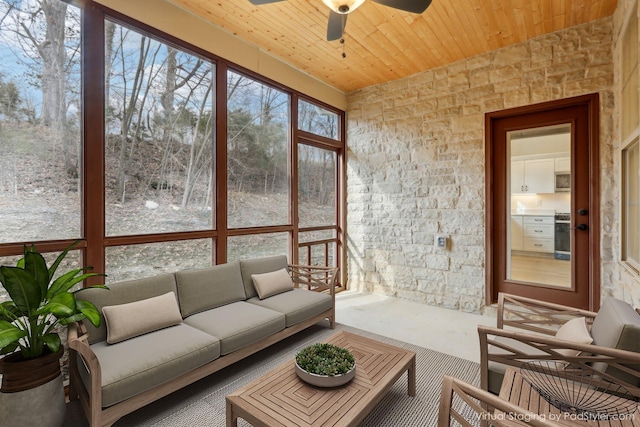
[413,6]
[335,29]
[260,2]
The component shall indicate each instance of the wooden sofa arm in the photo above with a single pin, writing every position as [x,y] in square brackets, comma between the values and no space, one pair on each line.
[91,400]
[533,315]
[314,277]
[546,348]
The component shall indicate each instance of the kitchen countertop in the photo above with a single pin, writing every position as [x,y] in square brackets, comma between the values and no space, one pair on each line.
[533,212]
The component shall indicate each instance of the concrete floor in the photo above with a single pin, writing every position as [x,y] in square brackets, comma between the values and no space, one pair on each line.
[449,331]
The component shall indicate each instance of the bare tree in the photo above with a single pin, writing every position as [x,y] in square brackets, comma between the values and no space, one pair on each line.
[42,31]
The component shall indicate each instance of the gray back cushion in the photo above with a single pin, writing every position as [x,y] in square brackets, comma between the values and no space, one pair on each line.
[206,288]
[259,266]
[122,293]
[617,325]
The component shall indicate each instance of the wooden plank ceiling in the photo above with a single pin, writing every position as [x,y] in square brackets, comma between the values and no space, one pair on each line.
[384,44]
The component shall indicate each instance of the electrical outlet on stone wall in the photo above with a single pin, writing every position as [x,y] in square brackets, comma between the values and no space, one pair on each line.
[441,242]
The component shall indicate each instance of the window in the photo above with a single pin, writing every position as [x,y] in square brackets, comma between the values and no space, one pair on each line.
[317,120]
[257,153]
[145,260]
[631,208]
[629,121]
[159,136]
[40,119]
[317,171]
[258,245]
[72,261]
[316,186]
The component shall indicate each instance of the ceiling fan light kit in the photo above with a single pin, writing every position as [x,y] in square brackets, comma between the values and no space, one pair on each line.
[340,9]
[343,6]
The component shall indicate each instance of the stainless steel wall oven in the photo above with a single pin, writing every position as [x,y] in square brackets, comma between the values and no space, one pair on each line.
[562,236]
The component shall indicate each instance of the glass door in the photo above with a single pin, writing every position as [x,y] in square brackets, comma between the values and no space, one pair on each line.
[538,206]
[543,227]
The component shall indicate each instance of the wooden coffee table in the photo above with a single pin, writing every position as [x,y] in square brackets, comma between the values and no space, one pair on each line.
[280,398]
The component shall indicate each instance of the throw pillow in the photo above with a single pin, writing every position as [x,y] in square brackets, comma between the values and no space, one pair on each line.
[575,330]
[272,283]
[130,320]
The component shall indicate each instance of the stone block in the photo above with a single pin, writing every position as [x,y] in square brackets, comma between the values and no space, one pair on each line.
[508,72]
[459,81]
[468,123]
[518,97]
[470,304]
[512,54]
[436,262]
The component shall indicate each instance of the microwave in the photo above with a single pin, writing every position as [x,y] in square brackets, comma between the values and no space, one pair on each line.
[562,182]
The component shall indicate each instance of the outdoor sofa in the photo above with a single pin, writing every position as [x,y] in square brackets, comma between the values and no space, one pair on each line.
[162,333]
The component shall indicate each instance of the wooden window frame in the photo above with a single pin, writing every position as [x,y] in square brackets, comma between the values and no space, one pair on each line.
[628,140]
[94,240]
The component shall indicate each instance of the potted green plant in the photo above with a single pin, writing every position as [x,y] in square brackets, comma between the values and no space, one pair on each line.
[325,365]
[38,305]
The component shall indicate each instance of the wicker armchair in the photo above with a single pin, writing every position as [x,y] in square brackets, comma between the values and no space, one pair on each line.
[526,331]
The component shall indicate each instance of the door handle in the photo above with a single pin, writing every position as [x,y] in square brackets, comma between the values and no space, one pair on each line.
[582,227]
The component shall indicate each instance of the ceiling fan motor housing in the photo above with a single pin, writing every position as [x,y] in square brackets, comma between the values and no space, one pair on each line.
[343,6]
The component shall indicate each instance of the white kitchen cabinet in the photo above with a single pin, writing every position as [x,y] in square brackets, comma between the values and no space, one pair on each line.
[517,176]
[532,176]
[563,164]
[538,234]
[516,233]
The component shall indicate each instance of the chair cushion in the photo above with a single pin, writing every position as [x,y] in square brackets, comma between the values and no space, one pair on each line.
[206,288]
[617,325]
[135,365]
[238,324]
[575,330]
[258,266]
[272,283]
[297,305]
[122,293]
[129,320]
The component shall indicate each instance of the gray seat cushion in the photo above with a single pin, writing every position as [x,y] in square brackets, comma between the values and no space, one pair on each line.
[497,370]
[297,305]
[205,288]
[259,266]
[238,324]
[135,365]
[617,325]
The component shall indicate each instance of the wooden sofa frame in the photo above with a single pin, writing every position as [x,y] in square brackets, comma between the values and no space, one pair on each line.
[535,323]
[304,276]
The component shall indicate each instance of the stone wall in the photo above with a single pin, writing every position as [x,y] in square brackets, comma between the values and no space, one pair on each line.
[415,162]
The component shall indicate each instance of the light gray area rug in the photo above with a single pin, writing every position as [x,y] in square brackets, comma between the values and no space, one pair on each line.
[202,404]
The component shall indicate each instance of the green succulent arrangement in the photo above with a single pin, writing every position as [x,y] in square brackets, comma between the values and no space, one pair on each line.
[38,304]
[325,359]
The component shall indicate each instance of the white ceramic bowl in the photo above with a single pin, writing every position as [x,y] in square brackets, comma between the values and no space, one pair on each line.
[325,380]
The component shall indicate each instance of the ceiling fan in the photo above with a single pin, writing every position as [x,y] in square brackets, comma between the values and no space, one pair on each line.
[341,8]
